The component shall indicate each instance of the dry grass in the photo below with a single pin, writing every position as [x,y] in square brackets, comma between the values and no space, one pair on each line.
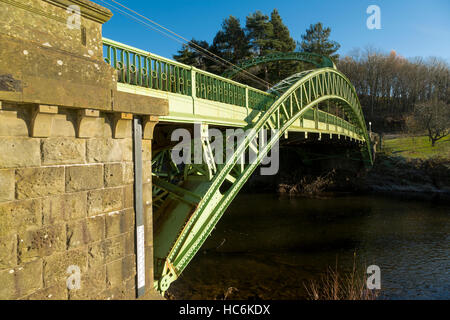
[338,285]
[309,186]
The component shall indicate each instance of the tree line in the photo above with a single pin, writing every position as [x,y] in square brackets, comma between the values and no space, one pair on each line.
[261,35]
[391,88]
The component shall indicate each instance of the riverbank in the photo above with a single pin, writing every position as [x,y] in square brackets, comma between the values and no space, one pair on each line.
[418,178]
[415,178]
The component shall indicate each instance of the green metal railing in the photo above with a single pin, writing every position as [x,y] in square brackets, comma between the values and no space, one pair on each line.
[141,68]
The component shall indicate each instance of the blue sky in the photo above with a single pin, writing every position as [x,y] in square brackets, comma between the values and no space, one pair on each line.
[411,28]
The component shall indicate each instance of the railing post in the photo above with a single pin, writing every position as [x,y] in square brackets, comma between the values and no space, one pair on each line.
[246,99]
[193,88]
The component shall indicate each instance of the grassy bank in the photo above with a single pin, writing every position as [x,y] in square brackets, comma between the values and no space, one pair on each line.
[409,164]
[418,147]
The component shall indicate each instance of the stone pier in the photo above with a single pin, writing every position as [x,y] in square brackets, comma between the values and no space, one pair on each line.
[66,158]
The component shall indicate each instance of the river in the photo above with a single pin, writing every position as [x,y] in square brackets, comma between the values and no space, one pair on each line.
[267,246]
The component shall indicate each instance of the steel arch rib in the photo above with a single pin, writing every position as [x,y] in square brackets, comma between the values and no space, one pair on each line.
[317,60]
[310,88]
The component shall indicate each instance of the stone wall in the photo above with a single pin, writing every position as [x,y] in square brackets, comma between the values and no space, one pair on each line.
[66,158]
[67,201]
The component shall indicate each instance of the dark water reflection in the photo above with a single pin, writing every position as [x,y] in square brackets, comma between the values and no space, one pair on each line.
[271,245]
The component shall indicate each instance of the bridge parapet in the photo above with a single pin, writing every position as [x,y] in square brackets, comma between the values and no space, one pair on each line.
[141,68]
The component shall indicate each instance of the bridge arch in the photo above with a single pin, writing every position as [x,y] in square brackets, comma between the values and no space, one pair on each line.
[317,60]
[196,207]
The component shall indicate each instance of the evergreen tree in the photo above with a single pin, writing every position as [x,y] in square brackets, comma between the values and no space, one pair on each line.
[259,30]
[262,36]
[231,43]
[316,40]
[192,55]
[280,41]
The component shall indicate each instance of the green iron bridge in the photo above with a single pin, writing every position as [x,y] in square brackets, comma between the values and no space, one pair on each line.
[188,202]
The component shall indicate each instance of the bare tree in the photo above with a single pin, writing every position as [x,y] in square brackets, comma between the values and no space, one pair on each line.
[390,86]
[434,118]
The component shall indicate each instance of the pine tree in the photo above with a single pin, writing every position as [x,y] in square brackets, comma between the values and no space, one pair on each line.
[280,41]
[259,30]
[231,43]
[262,36]
[267,36]
[316,40]
[192,55]
[281,38]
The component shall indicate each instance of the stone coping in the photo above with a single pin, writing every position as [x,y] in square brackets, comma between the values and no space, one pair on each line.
[89,9]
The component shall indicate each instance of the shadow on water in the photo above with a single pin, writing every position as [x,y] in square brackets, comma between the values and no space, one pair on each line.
[267,246]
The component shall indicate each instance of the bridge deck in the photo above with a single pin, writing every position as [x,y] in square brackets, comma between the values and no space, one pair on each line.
[197,96]
[185,109]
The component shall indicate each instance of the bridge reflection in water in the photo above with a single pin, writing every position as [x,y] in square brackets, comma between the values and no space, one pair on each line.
[189,201]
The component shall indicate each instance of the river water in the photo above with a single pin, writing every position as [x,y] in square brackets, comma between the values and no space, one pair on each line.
[267,246]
